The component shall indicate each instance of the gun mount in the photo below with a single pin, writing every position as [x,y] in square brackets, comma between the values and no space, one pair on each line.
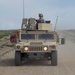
[34,24]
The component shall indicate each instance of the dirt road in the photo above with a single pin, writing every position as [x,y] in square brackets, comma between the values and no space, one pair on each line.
[66,64]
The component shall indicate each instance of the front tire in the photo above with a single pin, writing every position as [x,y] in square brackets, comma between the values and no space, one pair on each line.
[17,58]
[54,58]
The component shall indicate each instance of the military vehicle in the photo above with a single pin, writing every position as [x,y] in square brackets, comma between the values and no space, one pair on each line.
[37,40]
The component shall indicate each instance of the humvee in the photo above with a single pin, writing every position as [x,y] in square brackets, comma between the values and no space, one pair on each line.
[37,40]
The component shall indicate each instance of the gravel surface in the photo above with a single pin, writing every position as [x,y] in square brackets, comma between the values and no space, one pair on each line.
[66,63]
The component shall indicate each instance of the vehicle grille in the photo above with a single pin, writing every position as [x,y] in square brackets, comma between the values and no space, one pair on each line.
[35,48]
[36,43]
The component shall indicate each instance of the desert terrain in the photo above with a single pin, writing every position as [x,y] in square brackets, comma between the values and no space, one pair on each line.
[66,59]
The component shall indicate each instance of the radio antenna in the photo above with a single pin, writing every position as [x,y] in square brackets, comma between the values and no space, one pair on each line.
[56,23]
[23,10]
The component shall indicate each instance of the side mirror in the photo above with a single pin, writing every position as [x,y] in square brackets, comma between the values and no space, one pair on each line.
[62,41]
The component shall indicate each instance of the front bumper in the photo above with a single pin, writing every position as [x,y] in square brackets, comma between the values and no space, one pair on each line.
[38,55]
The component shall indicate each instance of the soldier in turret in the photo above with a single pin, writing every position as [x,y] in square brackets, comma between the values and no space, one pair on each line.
[41,20]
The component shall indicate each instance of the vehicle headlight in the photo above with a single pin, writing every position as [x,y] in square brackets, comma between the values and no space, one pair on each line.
[26,48]
[45,48]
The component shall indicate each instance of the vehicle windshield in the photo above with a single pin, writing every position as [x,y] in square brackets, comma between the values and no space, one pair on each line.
[27,36]
[46,36]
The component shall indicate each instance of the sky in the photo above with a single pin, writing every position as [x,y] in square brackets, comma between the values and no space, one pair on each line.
[11,12]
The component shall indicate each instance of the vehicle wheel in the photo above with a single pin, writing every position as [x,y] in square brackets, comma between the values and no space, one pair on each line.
[54,58]
[17,58]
